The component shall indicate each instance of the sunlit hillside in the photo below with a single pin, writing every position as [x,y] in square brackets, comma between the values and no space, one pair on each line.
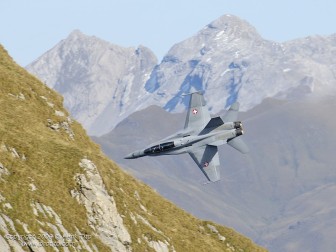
[58,187]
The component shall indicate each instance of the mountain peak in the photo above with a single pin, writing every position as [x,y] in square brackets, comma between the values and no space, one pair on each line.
[75,34]
[232,24]
[80,38]
[224,21]
[226,33]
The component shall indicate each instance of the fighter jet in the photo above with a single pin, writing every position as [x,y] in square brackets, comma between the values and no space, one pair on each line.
[201,137]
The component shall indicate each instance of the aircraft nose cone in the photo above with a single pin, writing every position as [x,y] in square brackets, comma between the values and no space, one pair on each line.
[135,155]
[129,156]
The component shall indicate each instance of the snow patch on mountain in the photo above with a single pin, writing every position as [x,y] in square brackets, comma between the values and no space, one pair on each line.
[103,83]
[230,61]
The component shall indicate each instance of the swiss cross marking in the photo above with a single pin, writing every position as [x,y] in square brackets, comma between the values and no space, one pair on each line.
[194,111]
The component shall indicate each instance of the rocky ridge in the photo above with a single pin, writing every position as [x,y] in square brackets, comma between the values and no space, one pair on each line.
[230,61]
[227,59]
[99,81]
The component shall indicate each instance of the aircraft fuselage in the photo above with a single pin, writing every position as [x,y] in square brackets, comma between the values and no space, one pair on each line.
[216,136]
[201,136]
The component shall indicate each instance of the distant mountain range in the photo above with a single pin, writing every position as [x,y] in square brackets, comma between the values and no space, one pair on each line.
[281,194]
[103,83]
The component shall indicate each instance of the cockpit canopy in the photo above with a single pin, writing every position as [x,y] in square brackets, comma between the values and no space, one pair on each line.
[159,148]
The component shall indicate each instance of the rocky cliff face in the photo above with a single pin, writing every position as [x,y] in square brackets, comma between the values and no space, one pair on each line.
[230,61]
[100,82]
[59,192]
[227,59]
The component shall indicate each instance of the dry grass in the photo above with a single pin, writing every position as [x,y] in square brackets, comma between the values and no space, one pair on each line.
[51,163]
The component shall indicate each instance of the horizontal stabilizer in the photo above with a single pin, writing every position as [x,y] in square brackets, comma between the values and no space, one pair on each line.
[239,145]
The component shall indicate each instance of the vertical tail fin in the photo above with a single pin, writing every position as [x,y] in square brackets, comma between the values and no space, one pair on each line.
[198,115]
[232,114]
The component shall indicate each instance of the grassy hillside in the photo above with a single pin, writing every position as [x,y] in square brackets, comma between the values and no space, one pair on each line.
[40,152]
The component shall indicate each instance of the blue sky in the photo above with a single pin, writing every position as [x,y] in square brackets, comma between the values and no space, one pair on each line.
[30,28]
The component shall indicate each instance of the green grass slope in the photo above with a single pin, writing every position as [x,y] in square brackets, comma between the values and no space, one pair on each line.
[40,149]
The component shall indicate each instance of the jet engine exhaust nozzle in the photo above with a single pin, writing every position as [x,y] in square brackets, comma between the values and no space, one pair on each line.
[239,132]
[238,125]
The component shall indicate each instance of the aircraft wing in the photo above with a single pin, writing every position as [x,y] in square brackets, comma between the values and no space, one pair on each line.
[238,144]
[206,157]
[198,115]
[232,114]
